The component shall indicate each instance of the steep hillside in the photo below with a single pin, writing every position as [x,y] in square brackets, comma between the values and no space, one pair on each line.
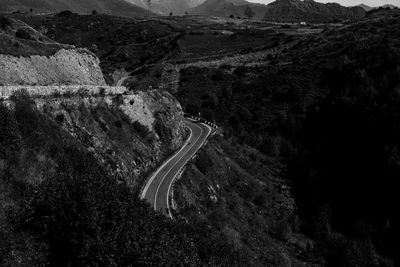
[156,115]
[112,7]
[325,114]
[27,41]
[128,133]
[122,44]
[310,11]
[237,191]
[27,57]
[72,160]
[68,174]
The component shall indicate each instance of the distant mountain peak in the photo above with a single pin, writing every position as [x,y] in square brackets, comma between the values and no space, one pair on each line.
[365,7]
[390,6]
[369,8]
[164,7]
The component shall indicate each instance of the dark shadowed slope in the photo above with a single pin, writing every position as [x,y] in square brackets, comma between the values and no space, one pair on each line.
[112,7]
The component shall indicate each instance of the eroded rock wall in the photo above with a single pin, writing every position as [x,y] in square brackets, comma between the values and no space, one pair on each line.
[130,133]
[66,67]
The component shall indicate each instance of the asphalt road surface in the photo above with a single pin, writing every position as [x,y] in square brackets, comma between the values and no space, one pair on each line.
[157,189]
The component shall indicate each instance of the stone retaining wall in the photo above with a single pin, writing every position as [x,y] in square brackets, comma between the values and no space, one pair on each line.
[63,90]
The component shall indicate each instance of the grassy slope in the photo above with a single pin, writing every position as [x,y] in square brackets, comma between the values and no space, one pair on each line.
[123,43]
[33,43]
[120,43]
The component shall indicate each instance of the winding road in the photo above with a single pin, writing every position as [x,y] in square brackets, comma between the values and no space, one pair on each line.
[157,189]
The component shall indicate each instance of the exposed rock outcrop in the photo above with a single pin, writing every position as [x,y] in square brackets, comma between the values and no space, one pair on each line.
[129,133]
[64,67]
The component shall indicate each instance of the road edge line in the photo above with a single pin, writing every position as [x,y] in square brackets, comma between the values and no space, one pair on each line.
[184,165]
[146,187]
[163,178]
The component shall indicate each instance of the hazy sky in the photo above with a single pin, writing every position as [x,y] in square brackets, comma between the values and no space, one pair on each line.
[346,2]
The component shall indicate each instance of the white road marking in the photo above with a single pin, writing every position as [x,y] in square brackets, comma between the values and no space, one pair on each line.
[162,166]
[151,180]
[170,169]
[169,186]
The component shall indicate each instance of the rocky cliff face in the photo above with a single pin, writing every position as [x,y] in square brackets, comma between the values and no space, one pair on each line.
[29,58]
[129,133]
[64,67]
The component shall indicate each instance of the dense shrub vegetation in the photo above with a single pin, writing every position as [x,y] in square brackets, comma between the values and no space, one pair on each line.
[59,207]
[331,116]
[237,191]
[4,22]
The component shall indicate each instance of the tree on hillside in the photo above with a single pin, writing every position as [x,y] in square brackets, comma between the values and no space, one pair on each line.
[4,22]
[23,34]
[248,12]
[94,12]
[10,137]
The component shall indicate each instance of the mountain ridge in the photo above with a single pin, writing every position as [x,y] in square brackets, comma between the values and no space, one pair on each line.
[225,8]
[310,11]
[369,8]
[163,7]
[281,10]
[112,7]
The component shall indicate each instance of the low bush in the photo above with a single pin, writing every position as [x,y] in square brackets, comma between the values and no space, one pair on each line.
[65,13]
[23,34]
[141,129]
[4,22]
